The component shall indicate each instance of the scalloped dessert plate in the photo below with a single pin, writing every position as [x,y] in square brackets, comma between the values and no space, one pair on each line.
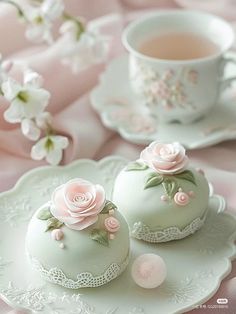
[121,110]
[196,265]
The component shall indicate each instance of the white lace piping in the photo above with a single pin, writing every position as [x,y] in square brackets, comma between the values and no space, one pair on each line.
[84,280]
[143,232]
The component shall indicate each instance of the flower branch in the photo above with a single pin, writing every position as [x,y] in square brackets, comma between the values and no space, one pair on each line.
[28,102]
[80,46]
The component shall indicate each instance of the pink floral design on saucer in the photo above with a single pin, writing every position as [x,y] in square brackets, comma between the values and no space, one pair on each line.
[133,122]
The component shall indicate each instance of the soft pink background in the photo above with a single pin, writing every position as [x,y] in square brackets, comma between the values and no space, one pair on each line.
[75,118]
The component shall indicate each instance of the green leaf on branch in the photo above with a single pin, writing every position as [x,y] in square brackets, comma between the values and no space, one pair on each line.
[108,206]
[100,236]
[136,166]
[186,175]
[44,214]
[170,186]
[53,223]
[154,179]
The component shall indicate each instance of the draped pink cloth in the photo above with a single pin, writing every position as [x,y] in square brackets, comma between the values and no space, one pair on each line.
[74,117]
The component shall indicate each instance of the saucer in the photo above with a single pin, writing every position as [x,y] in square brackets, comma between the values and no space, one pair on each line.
[189,282]
[121,110]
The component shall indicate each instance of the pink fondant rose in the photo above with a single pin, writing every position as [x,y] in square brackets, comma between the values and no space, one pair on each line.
[112,224]
[181,199]
[78,203]
[165,158]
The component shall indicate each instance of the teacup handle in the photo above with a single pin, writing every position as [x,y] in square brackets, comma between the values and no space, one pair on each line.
[225,83]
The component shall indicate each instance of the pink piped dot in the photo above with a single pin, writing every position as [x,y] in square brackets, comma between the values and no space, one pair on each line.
[164,198]
[112,236]
[191,194]
[111,212]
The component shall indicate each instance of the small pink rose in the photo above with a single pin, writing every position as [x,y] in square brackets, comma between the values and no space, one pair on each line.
[78,203]
[181,198]
[112,224]
[165,158]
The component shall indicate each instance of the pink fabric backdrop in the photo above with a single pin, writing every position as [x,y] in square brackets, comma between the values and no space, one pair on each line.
[75,118]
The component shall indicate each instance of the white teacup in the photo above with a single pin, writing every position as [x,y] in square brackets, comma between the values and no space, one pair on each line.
[178,90]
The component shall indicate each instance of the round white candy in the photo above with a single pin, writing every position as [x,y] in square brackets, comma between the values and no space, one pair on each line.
[149,271]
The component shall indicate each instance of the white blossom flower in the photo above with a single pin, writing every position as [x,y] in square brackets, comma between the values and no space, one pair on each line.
[50,147]
[30,129]
[81,49]
[27,100]
[40,20]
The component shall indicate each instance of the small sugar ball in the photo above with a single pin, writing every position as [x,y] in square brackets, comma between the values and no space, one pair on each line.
[164,198]
[148,271]
[191,194]
[112,236]
[62,246]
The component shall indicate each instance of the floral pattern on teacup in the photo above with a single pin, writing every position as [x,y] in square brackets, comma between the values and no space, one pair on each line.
[167,89]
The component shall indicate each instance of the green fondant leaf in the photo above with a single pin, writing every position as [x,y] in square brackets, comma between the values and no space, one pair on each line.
[53,223]
[44,214]
[154,179]
[108,206]
[170,186]
[136,166]
[186,175]
[101,236]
